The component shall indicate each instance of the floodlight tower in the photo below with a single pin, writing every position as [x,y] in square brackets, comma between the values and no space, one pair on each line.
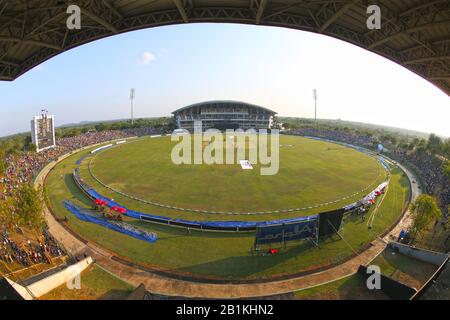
[132,94]
[316,97]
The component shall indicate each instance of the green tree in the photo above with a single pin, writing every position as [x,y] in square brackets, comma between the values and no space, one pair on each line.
[27,141]
[2,162]
[393,140]
[404,146]
[421,143]
[434,144]
[85,129]
[7,215]
[28,205]
[446,169]
[101,127]
[32,147]
[446,149]
[424,211]
[420,150]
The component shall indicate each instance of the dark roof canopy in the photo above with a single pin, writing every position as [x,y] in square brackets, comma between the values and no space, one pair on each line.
[414,33]
[224,103]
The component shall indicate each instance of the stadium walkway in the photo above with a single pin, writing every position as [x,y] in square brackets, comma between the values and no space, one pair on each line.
[173,287]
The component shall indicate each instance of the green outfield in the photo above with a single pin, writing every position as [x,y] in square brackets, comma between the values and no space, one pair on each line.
[228,255]
[310,173]
[96,283]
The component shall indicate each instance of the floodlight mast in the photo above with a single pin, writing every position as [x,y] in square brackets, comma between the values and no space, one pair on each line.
[315,96]
[132,94]
[315,104]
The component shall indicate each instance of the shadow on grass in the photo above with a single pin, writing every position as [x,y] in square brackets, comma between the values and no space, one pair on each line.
[246,266]
[174,232]
[329,239]
[357,219]
[75,191]
[404,182]
[115,294]
[354,288]
[411,267]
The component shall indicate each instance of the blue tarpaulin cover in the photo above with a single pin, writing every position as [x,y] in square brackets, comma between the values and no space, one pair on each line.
[121,227]
[212,225]
[206,224]
[82,158]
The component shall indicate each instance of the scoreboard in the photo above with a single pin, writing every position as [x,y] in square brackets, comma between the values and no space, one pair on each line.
[43,132]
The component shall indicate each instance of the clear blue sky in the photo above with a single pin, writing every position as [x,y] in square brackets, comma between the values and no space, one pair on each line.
[174,66]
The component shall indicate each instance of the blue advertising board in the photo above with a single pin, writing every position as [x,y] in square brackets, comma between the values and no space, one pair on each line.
[286,232]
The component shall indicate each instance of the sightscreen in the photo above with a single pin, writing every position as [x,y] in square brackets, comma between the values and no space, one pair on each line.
[330,222]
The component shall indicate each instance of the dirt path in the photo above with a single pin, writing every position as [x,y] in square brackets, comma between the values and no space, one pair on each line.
[166,286]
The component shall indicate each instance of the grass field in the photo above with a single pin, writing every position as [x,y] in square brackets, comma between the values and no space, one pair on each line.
[310,173]
[349,288]
[402,268]
[95,284]
[209,254]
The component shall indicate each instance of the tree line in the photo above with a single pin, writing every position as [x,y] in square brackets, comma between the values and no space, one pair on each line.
[165,124]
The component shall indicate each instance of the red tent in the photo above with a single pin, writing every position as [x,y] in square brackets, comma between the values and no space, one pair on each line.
[100,202]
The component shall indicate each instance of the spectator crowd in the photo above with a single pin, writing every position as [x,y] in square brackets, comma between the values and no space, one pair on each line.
[430,169]
[27,253]
[360,140]
[142,131]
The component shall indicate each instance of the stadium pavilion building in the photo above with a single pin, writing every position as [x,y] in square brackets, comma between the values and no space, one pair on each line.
[224,115]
